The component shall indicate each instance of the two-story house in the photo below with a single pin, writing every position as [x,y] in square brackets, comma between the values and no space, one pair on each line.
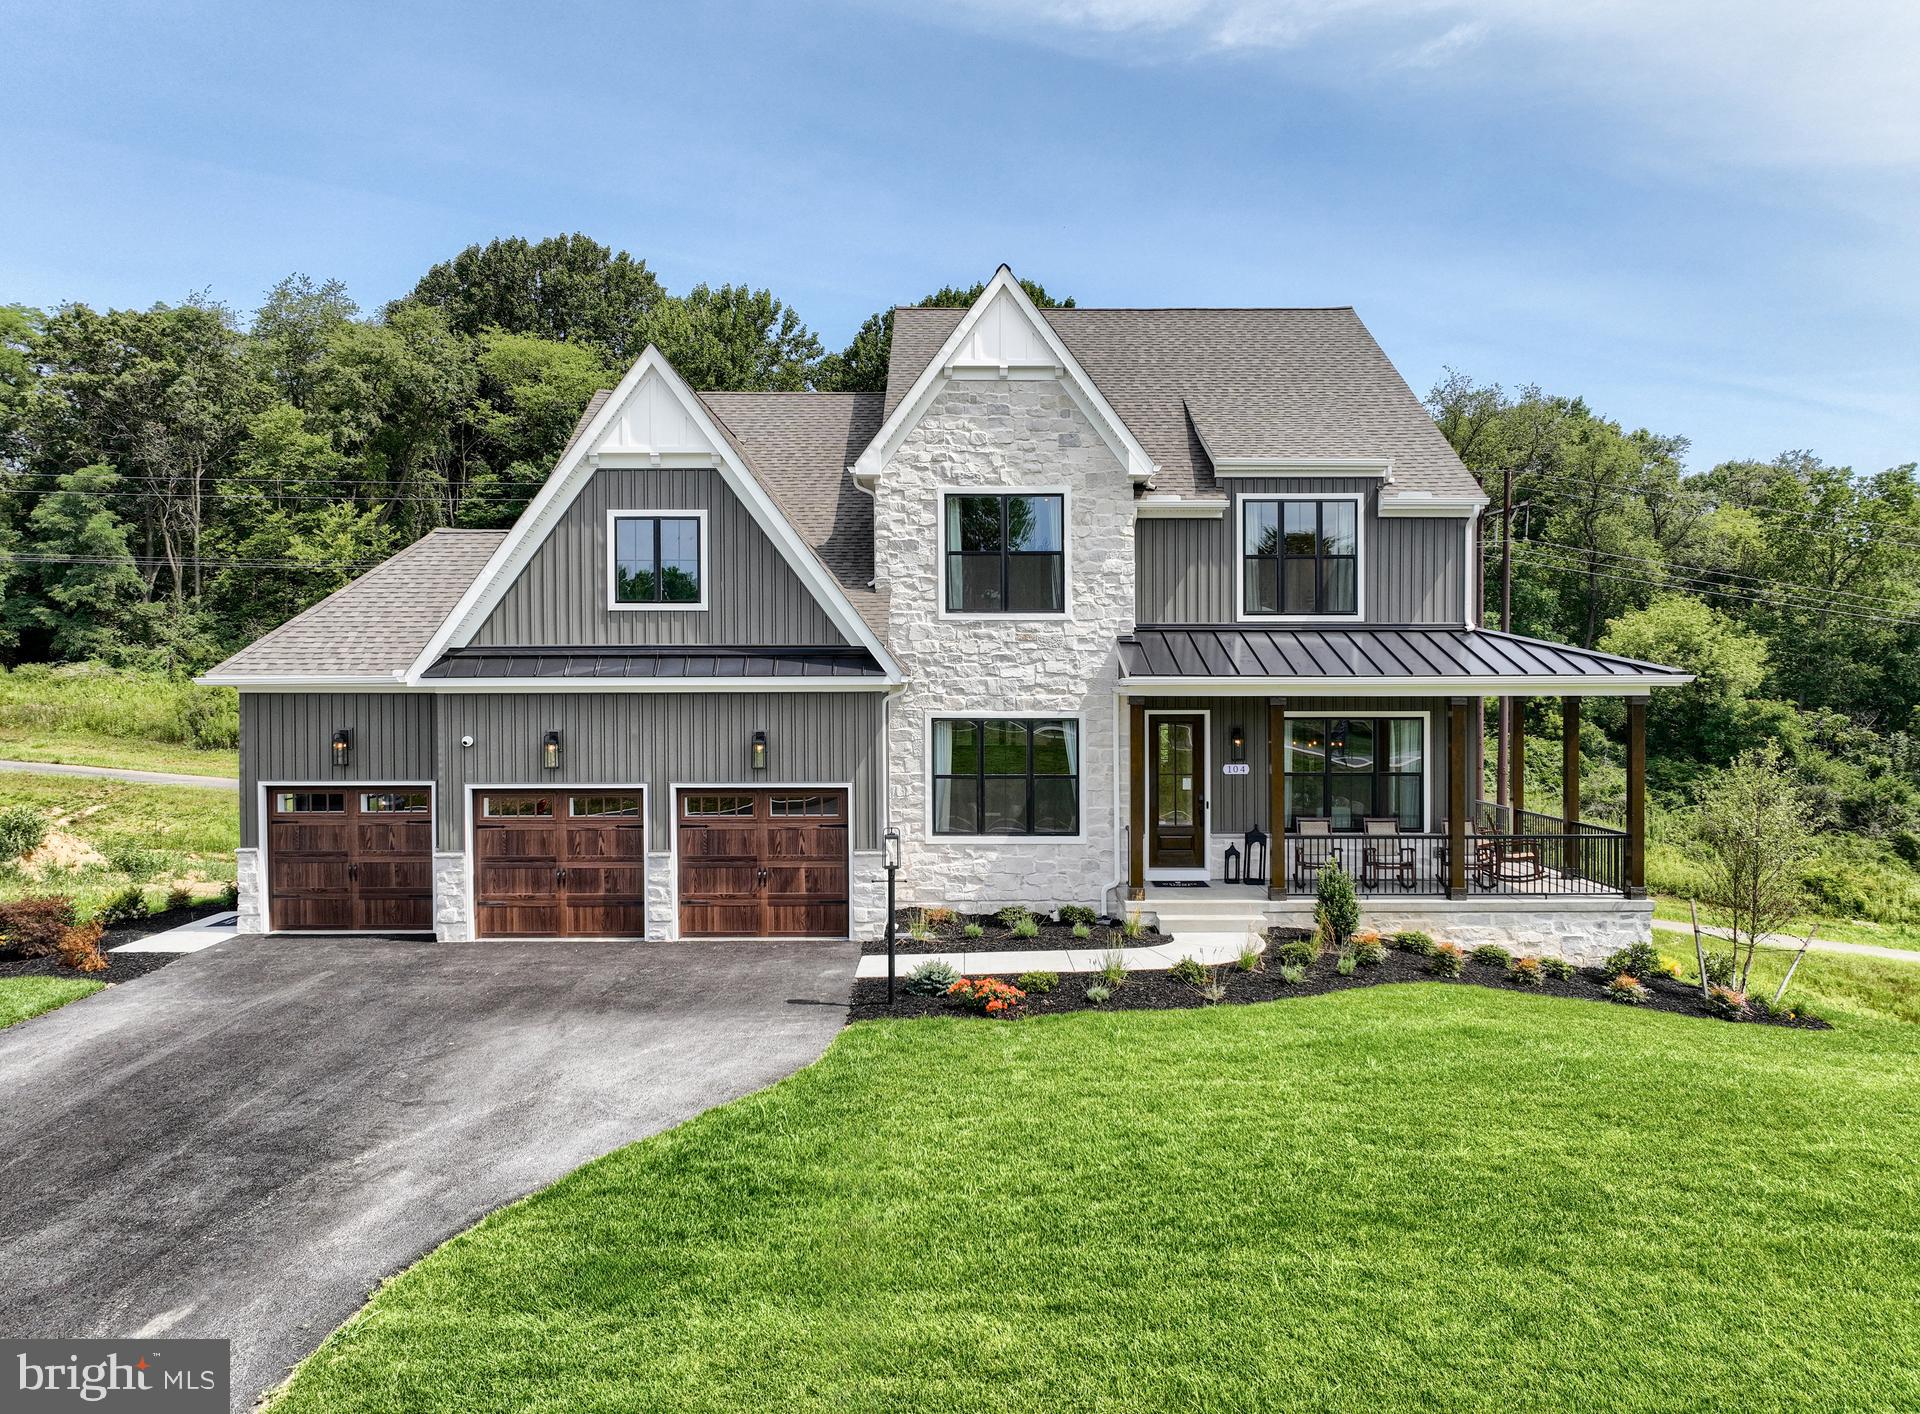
[1086,600]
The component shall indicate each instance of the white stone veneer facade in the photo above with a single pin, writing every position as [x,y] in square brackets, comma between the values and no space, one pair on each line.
[1005,435]
[251,890]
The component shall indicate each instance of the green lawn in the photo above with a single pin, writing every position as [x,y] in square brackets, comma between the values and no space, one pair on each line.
[82,750]
[22,997]
[1410,1197]
[84,714]
[105,834]
[1840,930]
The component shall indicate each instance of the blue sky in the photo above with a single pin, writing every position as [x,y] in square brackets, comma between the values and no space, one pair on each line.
[1701,216]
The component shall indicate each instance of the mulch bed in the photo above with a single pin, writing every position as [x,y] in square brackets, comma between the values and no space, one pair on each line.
[121,967]
[997,937]
[1158,991]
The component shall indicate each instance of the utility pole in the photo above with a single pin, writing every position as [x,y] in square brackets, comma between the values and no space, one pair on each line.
[1503,730]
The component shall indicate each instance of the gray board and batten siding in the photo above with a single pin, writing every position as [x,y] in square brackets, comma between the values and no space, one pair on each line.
[753,594]
[1414,564]
[618,739]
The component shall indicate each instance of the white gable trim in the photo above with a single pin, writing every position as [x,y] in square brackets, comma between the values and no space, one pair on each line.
[1040,353]
[585,455]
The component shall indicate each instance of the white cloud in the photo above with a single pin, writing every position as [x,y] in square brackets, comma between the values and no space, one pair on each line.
[1769,82]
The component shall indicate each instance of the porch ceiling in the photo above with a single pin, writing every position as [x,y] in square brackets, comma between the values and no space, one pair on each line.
[1380,659]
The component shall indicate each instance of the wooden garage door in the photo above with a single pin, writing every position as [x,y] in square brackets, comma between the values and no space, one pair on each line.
[763,863]
[560,864]
[354,858]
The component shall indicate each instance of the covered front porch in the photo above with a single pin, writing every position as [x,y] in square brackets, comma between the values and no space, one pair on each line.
[1266,778]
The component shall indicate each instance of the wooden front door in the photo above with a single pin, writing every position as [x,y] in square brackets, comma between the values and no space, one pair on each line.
[1177,793]
[350,859]
[560,864]
[762,863]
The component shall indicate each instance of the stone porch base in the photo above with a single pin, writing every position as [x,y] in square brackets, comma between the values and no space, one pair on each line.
[1581,930]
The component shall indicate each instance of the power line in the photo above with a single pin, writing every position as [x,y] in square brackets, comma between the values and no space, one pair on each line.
[1708,574]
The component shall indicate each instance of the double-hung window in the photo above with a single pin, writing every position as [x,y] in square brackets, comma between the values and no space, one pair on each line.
[1006,554]
[657,559]
[1300,556]
[1002,777]
[1344,769]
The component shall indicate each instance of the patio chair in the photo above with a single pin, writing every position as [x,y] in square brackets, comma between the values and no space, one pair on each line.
[1385,856]
[1312,850]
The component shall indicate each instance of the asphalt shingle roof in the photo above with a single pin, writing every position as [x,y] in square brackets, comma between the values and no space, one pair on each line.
[378,624]
[1260,382]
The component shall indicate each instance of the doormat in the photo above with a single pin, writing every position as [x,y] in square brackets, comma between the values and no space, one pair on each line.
[1180,884]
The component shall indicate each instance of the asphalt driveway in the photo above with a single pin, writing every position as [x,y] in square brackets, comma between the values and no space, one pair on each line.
[242,1144]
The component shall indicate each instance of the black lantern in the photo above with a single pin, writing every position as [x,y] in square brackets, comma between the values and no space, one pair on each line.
[550,751]
[1237,741]
[1233,865]
[342,747]
[759,751]
[1256,845]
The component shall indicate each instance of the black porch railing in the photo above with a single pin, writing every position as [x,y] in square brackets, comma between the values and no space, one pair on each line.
[1546,858]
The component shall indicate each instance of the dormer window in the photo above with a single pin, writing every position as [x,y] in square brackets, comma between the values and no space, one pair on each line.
[658,560]
[1300,556]
[1005,554]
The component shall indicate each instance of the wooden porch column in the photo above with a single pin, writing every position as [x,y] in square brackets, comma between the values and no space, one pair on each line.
[1570,760]
[1459,724]
[1277,798]
[1636,797]
[1136,799]
[1517,759]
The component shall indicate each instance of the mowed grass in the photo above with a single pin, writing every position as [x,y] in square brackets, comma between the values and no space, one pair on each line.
[1408,1197]
[22,997]
[106,834]
[84,714]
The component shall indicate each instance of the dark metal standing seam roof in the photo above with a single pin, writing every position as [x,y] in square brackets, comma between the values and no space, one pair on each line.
[1368,653]
[489,664]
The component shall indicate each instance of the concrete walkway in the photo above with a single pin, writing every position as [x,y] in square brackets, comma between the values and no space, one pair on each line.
[115,773]
[188,937]
[1667,925]
[974,964]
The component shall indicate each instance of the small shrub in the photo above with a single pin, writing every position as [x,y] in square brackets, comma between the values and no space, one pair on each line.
[1249,959]
[1526,972]
[1012,915]
[987,995]
[1558,968]
[1041,982]
[973,930]
[1028,927]
[80,948]
[1625,987]
[1369,952]
[33,927]
[918,928]
[1188,971]
[1336,907]
[22,828]
[124,907]
[1346,963]
[1665,966]
[1720,966]
[1297,953]
[1098,992]
[1726,1002]
[1292,973]
[1446,960]
[932,978]
[1414,941]
[1214,992]
[1133,925]
[229,895]
[179,896]
[1113,967]
[1492,955]
[1637,960]
[135,862]
[1082,931]
[940,917]
[1077,915]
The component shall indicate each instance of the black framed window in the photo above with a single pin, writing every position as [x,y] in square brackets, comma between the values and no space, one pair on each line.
[656,560]
[1344,769]
[1006,554]
[1301,557]
[995,777]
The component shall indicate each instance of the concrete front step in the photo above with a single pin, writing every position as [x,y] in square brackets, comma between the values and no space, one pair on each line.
[1201,904]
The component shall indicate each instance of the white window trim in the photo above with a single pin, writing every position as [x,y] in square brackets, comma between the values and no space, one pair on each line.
[1066,555]
[1427,816]
[264,791]
[706,562]
[1359,614]
[1181,872]
[996,714]
[676,789]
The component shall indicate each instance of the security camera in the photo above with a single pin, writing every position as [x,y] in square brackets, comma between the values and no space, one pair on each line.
[466,741]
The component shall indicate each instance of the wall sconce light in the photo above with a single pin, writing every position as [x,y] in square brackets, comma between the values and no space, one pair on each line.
[550,751]
[342,747]
[1237,741]
[759,751]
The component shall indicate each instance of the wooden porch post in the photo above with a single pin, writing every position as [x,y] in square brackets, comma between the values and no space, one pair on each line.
[1570,760]
[1276,798]
[1636,797]
[1136,799]
[1459,723]
[1517,759]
